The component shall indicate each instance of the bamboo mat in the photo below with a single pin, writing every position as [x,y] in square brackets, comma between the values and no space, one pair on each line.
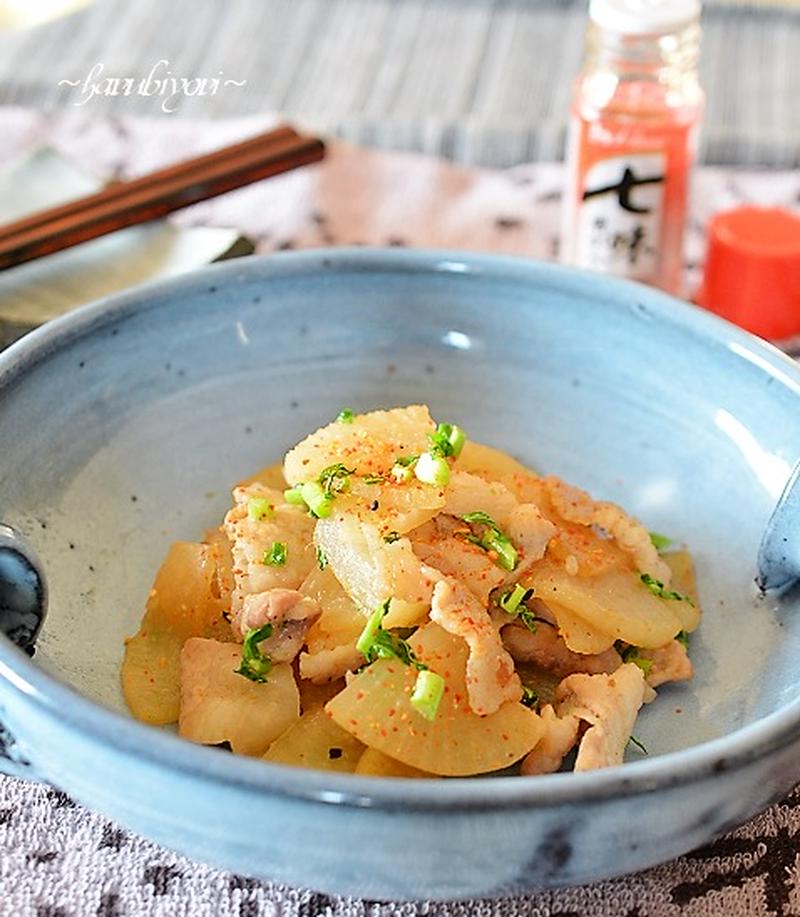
[483,82]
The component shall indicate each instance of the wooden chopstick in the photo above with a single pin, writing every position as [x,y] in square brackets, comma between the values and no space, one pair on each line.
[118,189]
[128,203]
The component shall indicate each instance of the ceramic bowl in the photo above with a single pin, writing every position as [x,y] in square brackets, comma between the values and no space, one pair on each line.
[124,425]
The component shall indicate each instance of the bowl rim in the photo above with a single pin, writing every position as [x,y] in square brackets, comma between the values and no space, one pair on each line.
[58,699]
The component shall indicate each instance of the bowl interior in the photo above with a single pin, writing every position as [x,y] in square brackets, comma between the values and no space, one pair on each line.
[127,430]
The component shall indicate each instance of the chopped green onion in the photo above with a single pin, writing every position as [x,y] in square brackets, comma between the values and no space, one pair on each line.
[255,665]
[377,643]
[276,555]
[319,503]
[510,600]
[432,469]
[633,654]
[457,439]
[529,619]
[334,478]
[259,508]
[494,540]
[660,542]
[403,469]
[480,518]
[322,559]
[447,441]
[427,694]
[402,473]
[318,495]
[366,641]
[294,496]
[345,416]
[634,741]
[373,479]
[506,552]
[683,638]
[530,697]
[392,537]
[658,589]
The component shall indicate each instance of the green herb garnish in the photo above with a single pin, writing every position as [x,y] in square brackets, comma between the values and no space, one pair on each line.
[403,468]
[318,495]
[377,643]
[312,496]
[658,589]
[276,555]
[530,697]
[255,665]
[293,496]
[529,619]
[320,503]
[322,559]
[432,469]
[683,638]
[512,598]
[633,654]
[660,542]
[392,537]
[493,540]
[447,441]
[345,416]
[335,478]
[373,479]
[480,518]
[512,601]
[259,508]
[427,694]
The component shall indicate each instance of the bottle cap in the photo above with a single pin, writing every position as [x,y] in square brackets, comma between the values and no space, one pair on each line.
[752,271]
[644,17]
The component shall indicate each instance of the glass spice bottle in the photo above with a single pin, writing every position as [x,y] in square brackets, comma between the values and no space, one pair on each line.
[633,130]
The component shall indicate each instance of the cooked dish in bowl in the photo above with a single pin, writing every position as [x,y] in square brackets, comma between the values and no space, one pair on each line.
[168,395]
[398,600]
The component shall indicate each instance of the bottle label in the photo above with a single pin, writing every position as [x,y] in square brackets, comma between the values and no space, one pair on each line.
[620,211]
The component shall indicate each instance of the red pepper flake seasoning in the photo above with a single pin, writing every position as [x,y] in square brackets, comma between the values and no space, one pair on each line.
[360,695]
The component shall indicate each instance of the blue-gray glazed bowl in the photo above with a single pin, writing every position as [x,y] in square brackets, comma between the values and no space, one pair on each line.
[124,425]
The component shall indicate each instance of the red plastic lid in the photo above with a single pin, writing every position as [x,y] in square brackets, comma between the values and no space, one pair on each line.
[752,271]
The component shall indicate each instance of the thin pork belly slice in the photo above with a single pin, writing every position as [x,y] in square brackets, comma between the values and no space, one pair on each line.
[491,678]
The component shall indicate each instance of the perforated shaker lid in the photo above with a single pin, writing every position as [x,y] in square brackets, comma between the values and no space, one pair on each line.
[644,17]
